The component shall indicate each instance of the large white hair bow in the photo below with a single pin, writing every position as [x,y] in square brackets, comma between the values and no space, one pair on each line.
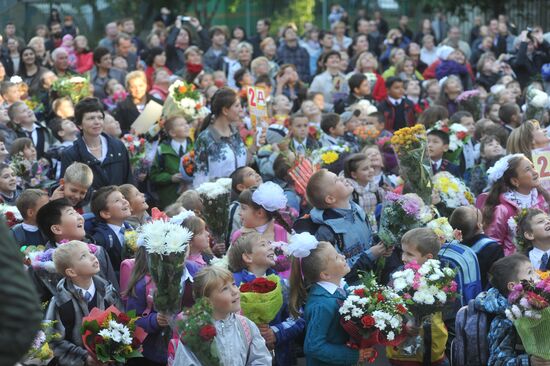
[270,196]
[501,166]
[301,245]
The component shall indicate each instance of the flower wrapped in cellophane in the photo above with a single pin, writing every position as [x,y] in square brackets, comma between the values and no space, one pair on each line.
[373,314]
[458,136]
[426,289]
[198,333]
[11,214]
[130,244]
[166,244]
[530,312]
[470,101]
[330,157]
[452,191]
[366,135]
[76,88]
[111,335]
[216,198]
[401,213]
[443,230]
[262,298]
[184,99]
[410,145]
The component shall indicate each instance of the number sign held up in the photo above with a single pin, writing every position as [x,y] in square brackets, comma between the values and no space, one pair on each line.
[541,161]
[256,105]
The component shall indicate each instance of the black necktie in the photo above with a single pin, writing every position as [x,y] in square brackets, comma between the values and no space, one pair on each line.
[181,152]
[544,262]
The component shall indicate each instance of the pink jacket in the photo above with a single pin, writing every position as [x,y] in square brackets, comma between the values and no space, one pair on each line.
[499,230]
[278,231]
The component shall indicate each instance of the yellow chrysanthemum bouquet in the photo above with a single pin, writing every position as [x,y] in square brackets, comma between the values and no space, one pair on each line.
[410,145]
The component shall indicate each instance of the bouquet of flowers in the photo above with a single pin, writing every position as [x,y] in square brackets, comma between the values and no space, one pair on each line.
[215,197]
[452,191]
[31,174]
[261,299]
[166,244]
[426,289]
[198,333]
[35,105]
[330,157]
[137,153]
[314,130]
[282,261]
[130,244]
[76,88]
[300,174]
[458,136]
[410,144]
[443,230]
[11,214]
[111,335]
[530,312]
[373,314]
[519,241]
[537,102]
[401,213]
[187,167]
[40,351]
[184,98]
[366,135]
[470,101]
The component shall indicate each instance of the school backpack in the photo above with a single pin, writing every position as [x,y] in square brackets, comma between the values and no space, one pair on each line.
[470,347]
[306,224]
[464,261]
[482,244]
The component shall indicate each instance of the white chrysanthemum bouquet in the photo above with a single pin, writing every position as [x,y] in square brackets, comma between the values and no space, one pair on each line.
[166,243]
[215,198]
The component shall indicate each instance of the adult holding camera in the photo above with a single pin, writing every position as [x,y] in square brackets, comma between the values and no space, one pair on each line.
[180,38]
[394,40]
[532,52]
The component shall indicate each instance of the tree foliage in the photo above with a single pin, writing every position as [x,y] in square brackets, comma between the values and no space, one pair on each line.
[297,12]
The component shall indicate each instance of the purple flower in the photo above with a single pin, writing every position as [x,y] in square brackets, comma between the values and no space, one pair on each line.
[390,196]
[411,207]
[46,256]
[467,95]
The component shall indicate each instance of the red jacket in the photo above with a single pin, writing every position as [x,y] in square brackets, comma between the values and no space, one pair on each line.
[84,62]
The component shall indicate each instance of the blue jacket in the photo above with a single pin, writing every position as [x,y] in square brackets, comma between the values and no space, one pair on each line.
[115,169]
[350,232]
[285,327]
[105,237]
[154,348]
[505,347]
[325,342]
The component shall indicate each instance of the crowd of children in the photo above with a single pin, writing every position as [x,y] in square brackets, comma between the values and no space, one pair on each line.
[312,179]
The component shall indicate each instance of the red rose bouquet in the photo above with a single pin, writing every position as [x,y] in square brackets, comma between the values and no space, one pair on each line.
[198,332]
[111,335]
[261,299]
[11,214]
[373,314]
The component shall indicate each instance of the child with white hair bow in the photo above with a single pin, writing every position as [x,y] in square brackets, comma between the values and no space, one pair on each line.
[317,285]
[515,185]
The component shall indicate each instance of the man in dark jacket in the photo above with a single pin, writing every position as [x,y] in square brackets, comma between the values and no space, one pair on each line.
[533,52]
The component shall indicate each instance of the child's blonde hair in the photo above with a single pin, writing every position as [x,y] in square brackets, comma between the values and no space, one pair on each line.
[63,256]
[79,173]
[316,190]
[424,239]
[190,200]
[208,278]
[304,273]
[243,245]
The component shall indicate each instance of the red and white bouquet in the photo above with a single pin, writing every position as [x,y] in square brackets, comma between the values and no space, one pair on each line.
[373,314]
[11,214]
[111,335]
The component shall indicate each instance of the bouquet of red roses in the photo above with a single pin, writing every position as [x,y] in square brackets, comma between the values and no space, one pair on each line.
[111,335]
[198,332]
[261,299]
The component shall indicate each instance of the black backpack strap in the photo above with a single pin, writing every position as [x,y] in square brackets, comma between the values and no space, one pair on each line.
[230,225]
[355,196]
[67,317]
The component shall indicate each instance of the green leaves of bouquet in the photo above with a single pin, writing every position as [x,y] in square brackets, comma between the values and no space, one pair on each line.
[198,333]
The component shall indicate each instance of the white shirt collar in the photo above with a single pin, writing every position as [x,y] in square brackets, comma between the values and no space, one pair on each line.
[262,228]
[535,255]
[176,145]
[30,228]
[331,287]
[437,163]
[115,228]
[393,101]
[104,148]
[90,290]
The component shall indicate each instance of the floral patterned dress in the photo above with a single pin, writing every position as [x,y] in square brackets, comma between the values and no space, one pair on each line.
[218,156]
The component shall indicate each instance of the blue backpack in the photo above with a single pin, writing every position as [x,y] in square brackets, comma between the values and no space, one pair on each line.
[464,261]
[470,347]
[481,244]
